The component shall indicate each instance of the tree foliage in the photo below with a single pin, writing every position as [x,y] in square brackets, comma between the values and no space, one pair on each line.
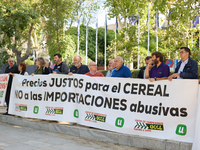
[92,41]
[16,24]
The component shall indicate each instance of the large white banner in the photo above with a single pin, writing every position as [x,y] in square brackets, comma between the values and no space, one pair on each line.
[162,109]
[3,87]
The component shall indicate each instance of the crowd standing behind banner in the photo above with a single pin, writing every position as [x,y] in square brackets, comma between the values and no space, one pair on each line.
[155,70]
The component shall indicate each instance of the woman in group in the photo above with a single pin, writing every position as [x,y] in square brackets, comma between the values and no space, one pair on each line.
[22,69]
[41,69]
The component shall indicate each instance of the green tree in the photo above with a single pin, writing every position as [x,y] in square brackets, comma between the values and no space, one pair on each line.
[16,24]
[54,13]
[92,41]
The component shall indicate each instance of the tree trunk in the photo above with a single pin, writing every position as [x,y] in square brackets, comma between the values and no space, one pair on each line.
[18,53]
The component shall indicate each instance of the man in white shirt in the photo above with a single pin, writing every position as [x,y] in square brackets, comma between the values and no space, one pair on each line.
[186,68]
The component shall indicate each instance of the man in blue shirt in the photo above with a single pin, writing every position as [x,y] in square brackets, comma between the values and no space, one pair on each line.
[120,70]
[78,68]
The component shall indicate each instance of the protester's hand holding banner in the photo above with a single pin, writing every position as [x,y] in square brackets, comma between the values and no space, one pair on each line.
[162,109]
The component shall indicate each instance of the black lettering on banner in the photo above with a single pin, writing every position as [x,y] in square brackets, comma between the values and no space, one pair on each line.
[80,83]
[101,101]
[127,84]
[75,82]
[63,96]
[26,96]
[64,82]
[108,102]
[81,99]
[183,112]
[165,94]
[114,89]
[49,96]
[19,94]
[142,88]
[123,103]
[134,87]
[87,86]
[158,91]
[174,111]
[116,103]
[87,103]
[52,83]
[155,110]
[150,89]
[71,97]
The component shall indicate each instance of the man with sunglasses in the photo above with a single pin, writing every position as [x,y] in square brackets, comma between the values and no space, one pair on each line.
[186,68]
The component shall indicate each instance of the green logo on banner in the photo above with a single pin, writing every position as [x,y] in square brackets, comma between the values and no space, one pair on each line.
[119,122]
[36,110]
[181,129]
[76,113]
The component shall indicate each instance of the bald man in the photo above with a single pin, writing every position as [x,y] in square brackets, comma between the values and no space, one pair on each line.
[93,70]
[120,70]
[12,68]
[78,68]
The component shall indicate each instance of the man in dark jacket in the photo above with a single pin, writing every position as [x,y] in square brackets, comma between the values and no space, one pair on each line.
[12,68]
[186,68]
[60,67]
[141,74]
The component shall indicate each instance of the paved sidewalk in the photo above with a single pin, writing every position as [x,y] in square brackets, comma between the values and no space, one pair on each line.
[25,138]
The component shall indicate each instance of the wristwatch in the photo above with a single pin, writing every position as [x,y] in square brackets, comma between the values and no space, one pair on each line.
[155,78]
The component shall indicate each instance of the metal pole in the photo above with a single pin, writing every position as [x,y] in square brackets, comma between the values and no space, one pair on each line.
[105,42]
[96,40]
[86,41]
[138,42]
[157,31]
[148,30]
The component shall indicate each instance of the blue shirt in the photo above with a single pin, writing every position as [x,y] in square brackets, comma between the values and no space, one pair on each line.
[83,69]
[161,71]
[109,73]
[123,72]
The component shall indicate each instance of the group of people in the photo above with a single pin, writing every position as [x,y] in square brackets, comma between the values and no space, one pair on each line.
[154,70]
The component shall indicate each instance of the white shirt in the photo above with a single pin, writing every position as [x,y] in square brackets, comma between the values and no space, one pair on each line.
[182,67]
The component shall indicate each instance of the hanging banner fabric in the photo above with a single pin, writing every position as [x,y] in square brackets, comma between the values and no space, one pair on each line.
[161,109]
[3,87]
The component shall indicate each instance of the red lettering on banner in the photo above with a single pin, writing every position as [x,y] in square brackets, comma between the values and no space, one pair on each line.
[3,85]
[4,78]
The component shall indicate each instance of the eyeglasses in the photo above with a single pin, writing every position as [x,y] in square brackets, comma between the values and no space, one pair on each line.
[182,52]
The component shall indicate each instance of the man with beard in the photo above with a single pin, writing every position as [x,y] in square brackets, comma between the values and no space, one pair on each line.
[110,67]
[160,71]
[78,68]
[60,67]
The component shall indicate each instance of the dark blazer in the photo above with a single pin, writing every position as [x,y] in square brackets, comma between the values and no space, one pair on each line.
[141,73]
[190,71]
